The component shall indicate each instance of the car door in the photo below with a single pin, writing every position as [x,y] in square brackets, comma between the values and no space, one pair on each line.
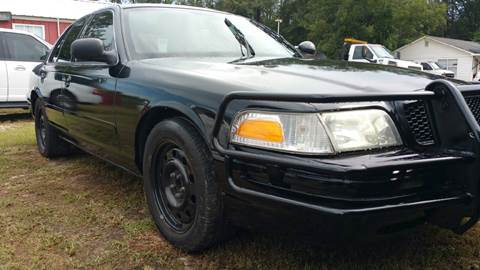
[52,76]
[24,53]
[3,71]
[92,119]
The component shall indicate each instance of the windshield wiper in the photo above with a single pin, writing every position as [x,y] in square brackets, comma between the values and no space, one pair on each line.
[242,40]
[277,37]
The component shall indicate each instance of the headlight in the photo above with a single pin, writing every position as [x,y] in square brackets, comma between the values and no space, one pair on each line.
[361,129]
[290,132]
[312,133]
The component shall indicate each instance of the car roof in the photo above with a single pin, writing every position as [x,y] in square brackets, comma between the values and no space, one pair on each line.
[7,30]
[15,31]
[128,6]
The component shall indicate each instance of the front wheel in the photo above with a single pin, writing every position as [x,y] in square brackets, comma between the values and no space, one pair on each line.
[180,187]
[49,143]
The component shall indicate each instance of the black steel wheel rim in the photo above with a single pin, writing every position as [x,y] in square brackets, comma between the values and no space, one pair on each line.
[41,130]
[174,187]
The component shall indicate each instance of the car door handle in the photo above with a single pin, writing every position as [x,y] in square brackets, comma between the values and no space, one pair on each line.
[20,68]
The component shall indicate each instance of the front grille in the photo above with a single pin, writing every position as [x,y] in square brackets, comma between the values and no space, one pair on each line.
[419,122]
[473,103]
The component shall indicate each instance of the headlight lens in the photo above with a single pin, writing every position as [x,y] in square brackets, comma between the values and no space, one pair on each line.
[290,132]
[361,129]
[312,133]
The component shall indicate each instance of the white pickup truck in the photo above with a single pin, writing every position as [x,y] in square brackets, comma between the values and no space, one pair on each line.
[360,51]
[20,52]
[435,68]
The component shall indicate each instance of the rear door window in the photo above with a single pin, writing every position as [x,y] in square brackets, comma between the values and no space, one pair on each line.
[72,34]
[22,47]
[56,48]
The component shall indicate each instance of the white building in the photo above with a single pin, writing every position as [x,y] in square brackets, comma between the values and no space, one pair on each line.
[460,56]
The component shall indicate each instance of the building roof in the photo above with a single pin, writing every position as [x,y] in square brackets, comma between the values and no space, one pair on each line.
[470,47]
[62,9]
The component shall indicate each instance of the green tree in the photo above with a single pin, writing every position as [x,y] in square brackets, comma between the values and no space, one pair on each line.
[263,11]
[463,19]
[414,18]
[327,22]
[388,22]
[476,36]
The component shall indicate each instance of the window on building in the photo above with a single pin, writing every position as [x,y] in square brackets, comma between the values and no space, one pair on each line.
[449,64]
[38,30]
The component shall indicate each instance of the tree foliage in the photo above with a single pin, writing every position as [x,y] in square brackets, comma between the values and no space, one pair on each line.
[463,19]
[327,22]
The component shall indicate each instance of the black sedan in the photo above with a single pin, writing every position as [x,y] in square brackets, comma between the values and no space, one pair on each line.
[231,125]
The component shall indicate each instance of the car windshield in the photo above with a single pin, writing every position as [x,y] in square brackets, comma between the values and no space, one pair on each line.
[174,32]
[381,52]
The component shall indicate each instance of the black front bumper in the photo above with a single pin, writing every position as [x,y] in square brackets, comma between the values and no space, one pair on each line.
[410,178]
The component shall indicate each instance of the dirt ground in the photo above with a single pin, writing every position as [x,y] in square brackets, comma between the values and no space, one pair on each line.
[81,213]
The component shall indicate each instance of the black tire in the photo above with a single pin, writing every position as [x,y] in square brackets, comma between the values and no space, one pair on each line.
[49,143]
[180,186]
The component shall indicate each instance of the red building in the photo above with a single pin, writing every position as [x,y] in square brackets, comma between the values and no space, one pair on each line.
[46,18]
[47,28]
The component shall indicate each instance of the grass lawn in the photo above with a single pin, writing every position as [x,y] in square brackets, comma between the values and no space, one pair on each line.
[81,213]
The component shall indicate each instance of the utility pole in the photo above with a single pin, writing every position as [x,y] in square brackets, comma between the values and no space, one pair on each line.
[279,21]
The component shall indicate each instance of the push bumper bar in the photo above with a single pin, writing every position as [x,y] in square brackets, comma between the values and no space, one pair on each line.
[440,90]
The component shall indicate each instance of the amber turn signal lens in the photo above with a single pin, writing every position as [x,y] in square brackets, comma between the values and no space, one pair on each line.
[288,132]
[264,130]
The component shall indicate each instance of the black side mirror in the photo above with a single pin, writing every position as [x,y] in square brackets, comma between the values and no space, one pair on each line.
[307,47]
[43,58]
[91,50]
[37,69]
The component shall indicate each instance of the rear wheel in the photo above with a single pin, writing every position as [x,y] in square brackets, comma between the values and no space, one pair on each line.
[49,143]
[180,187]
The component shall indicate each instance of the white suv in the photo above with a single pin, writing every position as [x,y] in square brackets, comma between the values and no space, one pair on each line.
[20,52]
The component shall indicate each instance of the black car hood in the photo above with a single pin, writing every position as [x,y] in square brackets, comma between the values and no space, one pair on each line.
[293,75]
